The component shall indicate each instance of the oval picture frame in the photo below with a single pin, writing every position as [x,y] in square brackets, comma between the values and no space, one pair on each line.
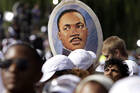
[95,37]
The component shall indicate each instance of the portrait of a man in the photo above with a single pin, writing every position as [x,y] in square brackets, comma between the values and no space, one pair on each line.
[72,30]
[73,25]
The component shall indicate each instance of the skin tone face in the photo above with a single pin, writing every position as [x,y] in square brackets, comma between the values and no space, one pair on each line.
[106,54]
[73,32]
[112,72]
[15,80]
[92,87]
[116,54]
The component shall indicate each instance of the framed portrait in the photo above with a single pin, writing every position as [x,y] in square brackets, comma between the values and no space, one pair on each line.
[80,19]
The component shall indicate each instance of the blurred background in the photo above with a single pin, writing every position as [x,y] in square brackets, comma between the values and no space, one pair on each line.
[27,20]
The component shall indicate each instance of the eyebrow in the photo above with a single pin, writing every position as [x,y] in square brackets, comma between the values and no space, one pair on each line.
[79,23]
[76,24]
[67,25]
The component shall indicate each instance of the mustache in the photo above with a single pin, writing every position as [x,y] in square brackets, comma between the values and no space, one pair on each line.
[76,36]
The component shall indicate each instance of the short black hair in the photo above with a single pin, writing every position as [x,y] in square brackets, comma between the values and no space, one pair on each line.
[66,11]
[122,66]
[33,51]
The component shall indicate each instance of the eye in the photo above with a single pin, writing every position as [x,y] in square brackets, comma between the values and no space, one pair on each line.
[22,64]
[113,70]
[80,26]
[66,27]
[106,56]
[106,70]
[6,64]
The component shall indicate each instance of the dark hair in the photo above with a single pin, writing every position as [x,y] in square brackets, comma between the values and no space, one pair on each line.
[66,11]
[122,66]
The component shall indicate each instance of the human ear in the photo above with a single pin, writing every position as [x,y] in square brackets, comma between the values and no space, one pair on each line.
[59,35]
[117,52]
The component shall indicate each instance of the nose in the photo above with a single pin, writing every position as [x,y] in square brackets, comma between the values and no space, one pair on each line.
[13,68]
[73,29]
[108,72]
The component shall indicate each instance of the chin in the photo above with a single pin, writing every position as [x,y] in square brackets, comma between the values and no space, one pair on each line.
[79,47]
[11,87]
[74,48]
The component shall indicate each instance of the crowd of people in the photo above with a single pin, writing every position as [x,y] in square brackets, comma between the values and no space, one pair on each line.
[28,66]
[24,27]
[24,70]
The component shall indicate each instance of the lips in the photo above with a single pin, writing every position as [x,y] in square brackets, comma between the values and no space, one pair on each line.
[75,40]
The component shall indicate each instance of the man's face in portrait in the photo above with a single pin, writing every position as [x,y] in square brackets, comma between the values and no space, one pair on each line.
[72,30]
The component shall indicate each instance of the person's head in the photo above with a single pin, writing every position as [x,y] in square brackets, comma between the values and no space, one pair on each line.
[93,87]
[115,69]
[83,59]
[94,84]
[114,47]
[72,29]
[55,64]
[62,84]
[74,71]
[21,68]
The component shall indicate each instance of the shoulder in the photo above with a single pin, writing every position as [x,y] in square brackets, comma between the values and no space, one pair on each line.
[133,67]
[130,62]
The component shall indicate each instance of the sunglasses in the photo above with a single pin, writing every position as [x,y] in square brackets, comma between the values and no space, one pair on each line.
[22,64]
